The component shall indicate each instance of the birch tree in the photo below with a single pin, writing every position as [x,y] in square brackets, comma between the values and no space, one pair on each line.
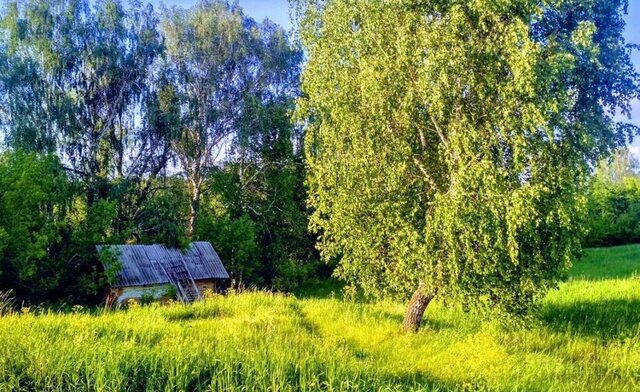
[221,64]
[448,142]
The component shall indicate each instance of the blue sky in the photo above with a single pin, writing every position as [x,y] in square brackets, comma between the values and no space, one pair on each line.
[632,34]
[278,11]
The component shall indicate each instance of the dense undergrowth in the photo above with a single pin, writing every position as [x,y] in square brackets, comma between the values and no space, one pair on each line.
[586,336]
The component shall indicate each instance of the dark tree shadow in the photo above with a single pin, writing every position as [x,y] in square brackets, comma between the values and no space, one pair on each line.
[320,289]
[330,289]
[604,319]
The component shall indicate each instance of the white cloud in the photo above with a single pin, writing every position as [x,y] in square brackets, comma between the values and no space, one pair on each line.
[634,148]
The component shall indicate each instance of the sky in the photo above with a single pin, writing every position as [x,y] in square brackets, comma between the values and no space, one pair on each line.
[278,12]
[632,35]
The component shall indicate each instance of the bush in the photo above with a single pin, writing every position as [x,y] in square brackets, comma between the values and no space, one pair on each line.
[35,197]
[614,213]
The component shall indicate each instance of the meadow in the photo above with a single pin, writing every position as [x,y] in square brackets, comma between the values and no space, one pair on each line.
[585,337]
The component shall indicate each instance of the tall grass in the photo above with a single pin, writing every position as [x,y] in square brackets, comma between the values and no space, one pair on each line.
[7,302]
[585,337]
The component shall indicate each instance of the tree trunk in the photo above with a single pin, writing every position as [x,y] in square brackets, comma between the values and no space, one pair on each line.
[415,311]
[194,207]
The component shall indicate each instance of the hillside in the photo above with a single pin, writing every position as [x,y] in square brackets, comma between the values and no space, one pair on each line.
[585,337]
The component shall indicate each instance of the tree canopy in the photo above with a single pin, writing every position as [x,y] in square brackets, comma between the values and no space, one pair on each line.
[448,142]
[222,68]
[120,121]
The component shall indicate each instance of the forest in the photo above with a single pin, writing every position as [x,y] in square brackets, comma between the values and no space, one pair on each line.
[125,124]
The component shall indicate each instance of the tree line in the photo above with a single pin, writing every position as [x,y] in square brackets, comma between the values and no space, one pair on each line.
[613,202]
[123,123]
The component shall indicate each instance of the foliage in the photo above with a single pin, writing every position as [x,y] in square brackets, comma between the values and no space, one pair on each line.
[77,76]
[584,338]
[254,214]
[614,213]
[270,175]
[48,231]
[138,109]
[77,81]
[235,239]
[264,183]
[614,203]
[171,293]
[162,218]
[147,297]
[448,143]
[220,65]
[621,165]
[109,257]
[34,205]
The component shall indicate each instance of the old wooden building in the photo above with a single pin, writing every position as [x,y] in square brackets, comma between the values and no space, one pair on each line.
[157,272]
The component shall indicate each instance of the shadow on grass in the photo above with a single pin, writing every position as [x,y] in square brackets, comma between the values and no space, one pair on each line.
[320,289]
[605,319]
[194,313]
[329,289]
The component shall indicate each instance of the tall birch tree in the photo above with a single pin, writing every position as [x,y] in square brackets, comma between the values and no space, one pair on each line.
[221,65]
[448,142]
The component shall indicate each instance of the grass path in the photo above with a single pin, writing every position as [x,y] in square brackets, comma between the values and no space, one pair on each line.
[586,337]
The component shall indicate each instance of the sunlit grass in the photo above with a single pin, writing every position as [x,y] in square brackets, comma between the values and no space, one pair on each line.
[606,263]
[585,337]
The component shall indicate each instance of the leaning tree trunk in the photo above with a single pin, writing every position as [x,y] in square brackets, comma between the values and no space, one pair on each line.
[415,311]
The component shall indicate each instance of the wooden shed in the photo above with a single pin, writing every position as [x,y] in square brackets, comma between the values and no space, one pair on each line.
[154,271]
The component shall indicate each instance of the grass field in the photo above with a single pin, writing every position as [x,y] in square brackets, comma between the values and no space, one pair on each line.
[586,337]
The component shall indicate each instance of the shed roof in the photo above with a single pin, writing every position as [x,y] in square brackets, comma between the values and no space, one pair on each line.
[146,264]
